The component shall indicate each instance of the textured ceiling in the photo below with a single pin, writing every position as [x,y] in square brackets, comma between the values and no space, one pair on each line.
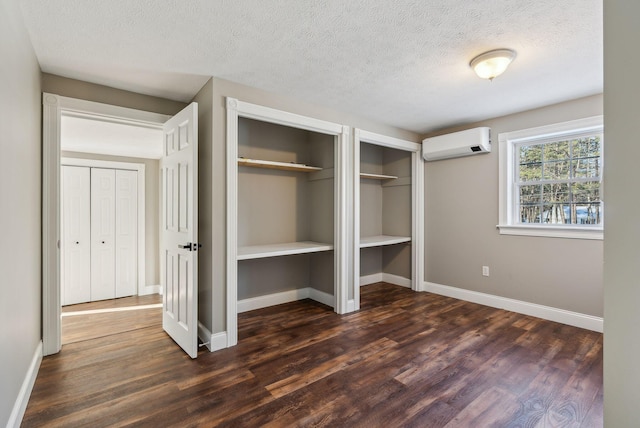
[402,62]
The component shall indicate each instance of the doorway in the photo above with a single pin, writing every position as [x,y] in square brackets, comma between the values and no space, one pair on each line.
[67,125]
[109,214]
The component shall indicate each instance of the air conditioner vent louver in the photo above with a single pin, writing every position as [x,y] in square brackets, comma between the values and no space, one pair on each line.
[464,143]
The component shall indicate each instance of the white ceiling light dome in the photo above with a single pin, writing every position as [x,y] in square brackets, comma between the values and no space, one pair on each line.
[491,64]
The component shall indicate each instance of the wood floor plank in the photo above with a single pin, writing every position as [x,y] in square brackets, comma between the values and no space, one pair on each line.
[405,359]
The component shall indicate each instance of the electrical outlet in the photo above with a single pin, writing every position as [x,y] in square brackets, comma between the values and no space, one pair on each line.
[485,270]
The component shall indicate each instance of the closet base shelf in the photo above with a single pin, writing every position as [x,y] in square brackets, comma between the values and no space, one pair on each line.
[286,249]
[380,240]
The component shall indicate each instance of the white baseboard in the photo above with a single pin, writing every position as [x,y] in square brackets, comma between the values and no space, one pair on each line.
[321,296]
[284,297]
[20,405]
[213,342]
[396,280]
[265,301]
[370,279]
[563,316]
[149,289]
[204,335]
[385,277]
[351,305]
[219,341]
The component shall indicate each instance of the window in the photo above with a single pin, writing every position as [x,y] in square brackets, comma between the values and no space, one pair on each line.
[551,180]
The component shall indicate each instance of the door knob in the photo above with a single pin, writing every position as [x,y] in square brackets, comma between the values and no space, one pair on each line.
[185,246]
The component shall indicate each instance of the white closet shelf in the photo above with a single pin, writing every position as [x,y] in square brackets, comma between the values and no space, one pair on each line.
[377,176]
[380,240]
[286,166]
[286,249]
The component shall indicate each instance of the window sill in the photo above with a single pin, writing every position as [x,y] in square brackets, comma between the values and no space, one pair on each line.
[576,232]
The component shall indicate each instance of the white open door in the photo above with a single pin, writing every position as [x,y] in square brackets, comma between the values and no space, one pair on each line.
[178,250]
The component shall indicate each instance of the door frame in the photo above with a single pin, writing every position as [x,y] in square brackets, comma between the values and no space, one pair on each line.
[141,289]
[53,107]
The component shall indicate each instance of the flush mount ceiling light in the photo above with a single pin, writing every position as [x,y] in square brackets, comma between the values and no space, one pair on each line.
[493,63]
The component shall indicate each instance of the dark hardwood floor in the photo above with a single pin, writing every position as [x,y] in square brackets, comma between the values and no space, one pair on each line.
[404,360]
[93,320]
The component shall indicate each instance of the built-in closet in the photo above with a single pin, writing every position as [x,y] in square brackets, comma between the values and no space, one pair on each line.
[99,234]
[388,211]
[286,210]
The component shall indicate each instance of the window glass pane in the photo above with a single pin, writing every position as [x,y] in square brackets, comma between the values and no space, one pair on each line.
[556,214]
[531,194]
[556,192]
[556,151]
[531,162]
[556,170]
[530,214]
[586,192]
[586,147]
[587,213]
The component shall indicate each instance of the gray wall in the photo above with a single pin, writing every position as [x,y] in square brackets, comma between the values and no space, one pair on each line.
[20,188]
[215,195]
[461,214]
[103,94]
[622,233]
[152,208]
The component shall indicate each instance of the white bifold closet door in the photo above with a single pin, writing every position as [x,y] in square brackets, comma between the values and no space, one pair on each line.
[75,258]
[126,233]
[103,233]
[99,220]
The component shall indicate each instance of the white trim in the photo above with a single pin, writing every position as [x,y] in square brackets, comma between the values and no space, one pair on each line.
[386,141]
[51,328]
[218,341]
[355,230]
[397,280]
[232,222]
[280,117]
[417,229]
[563,316]
[417,205]
[151,289]
[551,231]
[385,277]
[593,123]
[370,279]
[109,113]
[273,299]
[213,342]
[282,297]
[140,168]
[53,107]
[507,224]
[322,297]
[20,405]
[236,109]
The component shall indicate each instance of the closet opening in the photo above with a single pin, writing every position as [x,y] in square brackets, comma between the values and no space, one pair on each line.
[109,211]
[388,217]
[287,216]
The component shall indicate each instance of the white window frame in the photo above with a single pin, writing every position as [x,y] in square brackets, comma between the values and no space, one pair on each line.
[508,218]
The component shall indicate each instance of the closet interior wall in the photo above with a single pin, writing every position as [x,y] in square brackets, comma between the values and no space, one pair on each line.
[277,206]
[385,209]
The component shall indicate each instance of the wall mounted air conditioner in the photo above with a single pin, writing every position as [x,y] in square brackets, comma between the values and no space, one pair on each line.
[464,143]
